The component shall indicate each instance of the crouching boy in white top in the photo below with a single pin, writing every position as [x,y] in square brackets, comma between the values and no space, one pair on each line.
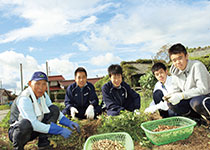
[162,88]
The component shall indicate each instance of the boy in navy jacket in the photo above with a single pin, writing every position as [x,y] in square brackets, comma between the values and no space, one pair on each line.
[117,95]
[81,100]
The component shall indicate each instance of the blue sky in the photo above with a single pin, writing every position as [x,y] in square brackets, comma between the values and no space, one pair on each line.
[92,33]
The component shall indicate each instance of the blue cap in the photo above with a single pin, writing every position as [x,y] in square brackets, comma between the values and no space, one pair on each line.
[39,76]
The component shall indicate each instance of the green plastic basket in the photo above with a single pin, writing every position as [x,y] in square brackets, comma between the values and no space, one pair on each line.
[184,130]
[121,137]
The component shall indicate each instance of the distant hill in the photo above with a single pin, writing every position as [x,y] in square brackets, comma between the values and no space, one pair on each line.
[198,52]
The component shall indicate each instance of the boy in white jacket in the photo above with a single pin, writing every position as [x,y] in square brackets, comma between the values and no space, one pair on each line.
[191,85]
[162,87]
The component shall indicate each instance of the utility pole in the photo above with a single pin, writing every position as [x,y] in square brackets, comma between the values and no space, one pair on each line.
[0,84]
[48,84]
[21,76]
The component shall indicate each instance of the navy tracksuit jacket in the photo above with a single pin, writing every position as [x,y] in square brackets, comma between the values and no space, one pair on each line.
[117,99]
[81,98]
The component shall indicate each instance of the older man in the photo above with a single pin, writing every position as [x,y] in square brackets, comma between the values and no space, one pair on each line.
[33,115]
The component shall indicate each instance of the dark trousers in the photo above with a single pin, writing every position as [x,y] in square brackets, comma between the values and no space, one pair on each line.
[158,97]
[194,107]
[22,132]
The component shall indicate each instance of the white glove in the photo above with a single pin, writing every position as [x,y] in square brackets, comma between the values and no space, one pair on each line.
[176,98]
[90,112]
[162,105]
[137,112]
[73,111]
[151,109]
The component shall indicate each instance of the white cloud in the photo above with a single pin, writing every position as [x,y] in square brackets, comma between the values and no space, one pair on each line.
[66,56]
[81,47]
[31,49]
[97,72]
[62,66]
[10,65]
[130,29]
[102,60]
[51,17]
[99,43]
[154,24]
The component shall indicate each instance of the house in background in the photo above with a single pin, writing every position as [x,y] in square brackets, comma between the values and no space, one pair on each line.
[64,84]
[141,69]
[136,69]
[54,85]
[5,96]
[54,82]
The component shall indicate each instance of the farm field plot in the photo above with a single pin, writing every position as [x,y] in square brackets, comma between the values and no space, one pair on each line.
[200,139]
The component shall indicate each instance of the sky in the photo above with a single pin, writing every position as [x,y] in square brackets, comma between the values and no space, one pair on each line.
[92,33]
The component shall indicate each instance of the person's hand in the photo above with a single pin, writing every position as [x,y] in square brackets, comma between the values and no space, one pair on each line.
[137,112]
[151,109]
[68,123]
[57,130]
[175,98]
[73,111]
[90,112]
[163,105]
[74,125]
[65,133]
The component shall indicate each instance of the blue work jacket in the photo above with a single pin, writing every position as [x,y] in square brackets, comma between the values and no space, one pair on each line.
[121,98]
[80,98]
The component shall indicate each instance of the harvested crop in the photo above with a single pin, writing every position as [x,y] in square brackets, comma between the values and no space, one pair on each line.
[107,145]
[164,128]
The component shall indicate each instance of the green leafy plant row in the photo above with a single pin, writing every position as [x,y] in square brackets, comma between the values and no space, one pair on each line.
[126,122]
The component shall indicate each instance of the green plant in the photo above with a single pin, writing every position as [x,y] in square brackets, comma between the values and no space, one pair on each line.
[5,121]
[98,85]
[128,71]
[146,98]
[60,105]
[147,81]
[76,140]
[3,107]
[125,122]
[144,61]
[204,59]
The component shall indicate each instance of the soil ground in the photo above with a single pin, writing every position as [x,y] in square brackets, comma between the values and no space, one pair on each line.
[199,140]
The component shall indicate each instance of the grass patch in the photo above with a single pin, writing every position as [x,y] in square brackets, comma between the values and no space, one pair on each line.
[5,122]
[3,107]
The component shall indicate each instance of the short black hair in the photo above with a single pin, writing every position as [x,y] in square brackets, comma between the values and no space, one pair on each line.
[177,49]
[80,69]
[158,66]
[114,69]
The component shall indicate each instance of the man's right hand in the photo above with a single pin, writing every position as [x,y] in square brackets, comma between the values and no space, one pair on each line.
[57,130]
[73,111]
[65,133]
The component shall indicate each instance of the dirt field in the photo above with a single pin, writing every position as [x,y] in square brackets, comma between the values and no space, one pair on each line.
[199,140]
